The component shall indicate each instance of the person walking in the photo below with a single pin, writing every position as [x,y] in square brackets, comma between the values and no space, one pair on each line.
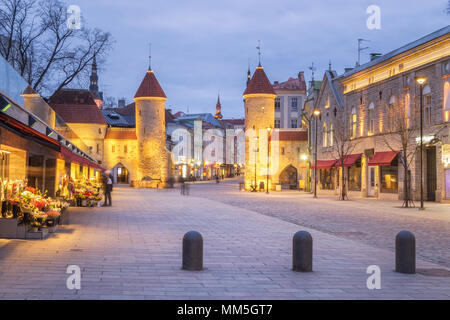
[107,187]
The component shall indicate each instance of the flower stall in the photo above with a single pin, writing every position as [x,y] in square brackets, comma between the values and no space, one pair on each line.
[87,193]
[28,213]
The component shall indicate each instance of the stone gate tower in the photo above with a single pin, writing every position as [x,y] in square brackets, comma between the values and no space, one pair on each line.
[259,97]
[153,158]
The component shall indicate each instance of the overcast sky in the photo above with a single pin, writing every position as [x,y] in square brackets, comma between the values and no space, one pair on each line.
[202,47]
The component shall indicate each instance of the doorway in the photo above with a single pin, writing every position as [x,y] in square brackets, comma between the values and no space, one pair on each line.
[288,178]
[431,173]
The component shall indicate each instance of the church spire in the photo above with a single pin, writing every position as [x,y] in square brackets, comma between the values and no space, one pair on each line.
[248,72]
[218,114]
[93,86]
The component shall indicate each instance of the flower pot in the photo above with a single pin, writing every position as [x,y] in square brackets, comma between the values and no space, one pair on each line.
[4,208]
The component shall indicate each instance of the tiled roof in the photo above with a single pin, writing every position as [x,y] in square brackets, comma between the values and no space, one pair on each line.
[290,136]
[76,106]
[234,122]
[150,87]
[259,83]
[121,134]
[297,84]
[116,119]
[29,90]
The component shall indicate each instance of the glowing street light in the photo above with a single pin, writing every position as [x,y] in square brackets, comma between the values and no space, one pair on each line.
[421,81]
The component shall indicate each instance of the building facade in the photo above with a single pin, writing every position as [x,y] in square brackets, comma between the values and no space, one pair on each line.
[381,104]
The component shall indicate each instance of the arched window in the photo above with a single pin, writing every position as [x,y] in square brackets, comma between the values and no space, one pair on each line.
[371,117]
[408,109]
[391,113]
[324,135]
[427,105]
[447,100]
[331,136]
[353,119]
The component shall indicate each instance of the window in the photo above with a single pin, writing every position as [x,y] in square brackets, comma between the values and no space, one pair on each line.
[125,149]
[277,104]
[327,105]
[277,123]
[326,179]
[99,130]
[371,117]
[324,136]
[294,104]
[391,112]
[408,109]
[427,105]
[293,123]
[354,177]
[113,148]
[353,118]
[282,151]
[447,101]
[98,148]
[331,135]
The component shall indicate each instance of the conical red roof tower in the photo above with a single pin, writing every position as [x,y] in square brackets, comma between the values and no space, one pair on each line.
[259,83]
[150,87]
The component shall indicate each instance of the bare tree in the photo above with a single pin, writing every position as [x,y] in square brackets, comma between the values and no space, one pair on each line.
[35,39]
[343,145]
[404,127]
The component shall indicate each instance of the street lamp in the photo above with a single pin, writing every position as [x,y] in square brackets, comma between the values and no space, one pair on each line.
[316,114]
[421,81]
[269,130]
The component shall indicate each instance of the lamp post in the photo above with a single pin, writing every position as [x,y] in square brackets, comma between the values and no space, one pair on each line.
[269,130]
[316,116]
[421,81]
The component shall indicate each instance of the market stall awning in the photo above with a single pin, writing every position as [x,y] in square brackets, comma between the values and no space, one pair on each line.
[69,155]
[324,164]
[349,160]
[383,158]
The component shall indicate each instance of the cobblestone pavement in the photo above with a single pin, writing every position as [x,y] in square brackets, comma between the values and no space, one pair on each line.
[133,251]
[374,222]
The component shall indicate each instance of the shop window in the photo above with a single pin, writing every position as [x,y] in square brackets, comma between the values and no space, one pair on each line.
[447,101]
[354,177]
[326,179]
[4,165]
[389,179]
[50,176]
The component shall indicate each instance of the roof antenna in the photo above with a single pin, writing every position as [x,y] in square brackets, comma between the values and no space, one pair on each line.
[150,56]
[259,52]
[329,65]
[360,41]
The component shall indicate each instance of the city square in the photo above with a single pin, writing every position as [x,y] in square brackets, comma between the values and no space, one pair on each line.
[133,251]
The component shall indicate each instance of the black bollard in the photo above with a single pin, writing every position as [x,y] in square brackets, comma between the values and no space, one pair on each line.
[302,252]
[192,251]
[405,252]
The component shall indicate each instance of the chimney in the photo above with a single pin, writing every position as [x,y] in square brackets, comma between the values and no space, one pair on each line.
[301,75]
[275,83]
[121,103]
[347,69]
[374,56]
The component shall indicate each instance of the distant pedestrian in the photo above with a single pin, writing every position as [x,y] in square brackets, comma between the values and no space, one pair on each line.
[182,186]
[107,187]
[217,178]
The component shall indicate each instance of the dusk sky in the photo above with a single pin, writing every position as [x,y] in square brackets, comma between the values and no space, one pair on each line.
[202,47]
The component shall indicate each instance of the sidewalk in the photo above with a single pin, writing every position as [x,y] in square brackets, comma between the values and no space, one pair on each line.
[133,251]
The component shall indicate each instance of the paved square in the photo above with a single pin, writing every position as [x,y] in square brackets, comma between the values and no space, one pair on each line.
[133,251]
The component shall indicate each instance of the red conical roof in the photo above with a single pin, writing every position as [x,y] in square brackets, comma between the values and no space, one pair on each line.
[259,83]
[150,87]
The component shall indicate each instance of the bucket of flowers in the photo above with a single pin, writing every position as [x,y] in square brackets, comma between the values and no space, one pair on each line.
[52,218]
[38,220]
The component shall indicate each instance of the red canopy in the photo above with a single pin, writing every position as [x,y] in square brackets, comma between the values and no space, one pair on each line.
[383,158]
[324,164]
[349,160]
[69,155]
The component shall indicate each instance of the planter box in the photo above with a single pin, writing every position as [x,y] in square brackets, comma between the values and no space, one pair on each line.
[41,234]
[65,217]
[8,228]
